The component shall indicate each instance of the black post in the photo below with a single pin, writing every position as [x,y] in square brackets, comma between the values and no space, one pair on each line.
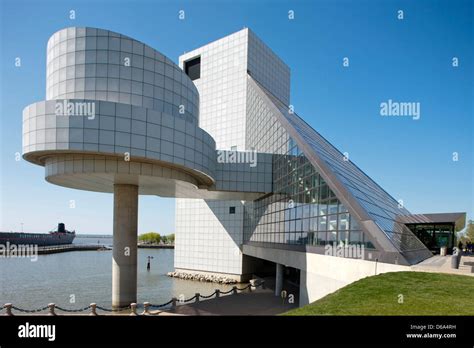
[148,264]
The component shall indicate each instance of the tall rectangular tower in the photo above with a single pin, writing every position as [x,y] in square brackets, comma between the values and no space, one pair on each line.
[209,234]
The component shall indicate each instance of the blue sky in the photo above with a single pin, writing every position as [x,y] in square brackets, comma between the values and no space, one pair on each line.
[407,60]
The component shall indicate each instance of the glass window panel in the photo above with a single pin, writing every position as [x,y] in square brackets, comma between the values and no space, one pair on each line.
[306,211]
[307,197]
[342,208]
[299,211]
[310,238]
[321,238]
[332,222]
[292,212]
[314,195]
[298,225]
[323,192]
[332,206]
[322,225]
[287,234]
[354,223]
[315,180]
[321,181]
[355,237]
[343,237]
[323,208]
[303,237]
[306,225]
[300,184]
[331,236]
[301,197]
[343,222]
[367,242]
[294,151]
[294,238]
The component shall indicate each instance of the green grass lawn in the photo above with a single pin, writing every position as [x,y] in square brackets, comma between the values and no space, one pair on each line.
[423,294]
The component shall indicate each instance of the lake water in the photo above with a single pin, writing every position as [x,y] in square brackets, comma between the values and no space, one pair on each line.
[86,276]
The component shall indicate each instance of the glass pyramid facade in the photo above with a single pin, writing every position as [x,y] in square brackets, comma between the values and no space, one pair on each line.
[320,197]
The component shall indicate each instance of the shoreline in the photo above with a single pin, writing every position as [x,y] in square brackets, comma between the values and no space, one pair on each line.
[155,246]
[54,249]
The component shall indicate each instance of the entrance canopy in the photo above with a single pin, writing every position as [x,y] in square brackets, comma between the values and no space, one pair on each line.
[435,230]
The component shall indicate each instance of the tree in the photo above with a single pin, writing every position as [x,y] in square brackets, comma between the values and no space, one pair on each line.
[168,239]
[470,230]
[464,240]
[467,235]
[150,237]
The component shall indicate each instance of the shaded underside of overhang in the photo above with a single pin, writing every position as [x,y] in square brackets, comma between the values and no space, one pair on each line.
[458,219]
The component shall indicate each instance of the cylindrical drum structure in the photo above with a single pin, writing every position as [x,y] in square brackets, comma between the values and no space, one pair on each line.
[122,118]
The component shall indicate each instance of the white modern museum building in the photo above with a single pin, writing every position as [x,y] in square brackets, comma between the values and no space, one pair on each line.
[257,189]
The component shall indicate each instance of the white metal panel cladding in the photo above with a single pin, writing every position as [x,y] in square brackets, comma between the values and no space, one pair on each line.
[118,129]
[89,63]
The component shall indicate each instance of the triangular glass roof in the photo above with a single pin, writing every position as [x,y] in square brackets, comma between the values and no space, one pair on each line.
[367,200]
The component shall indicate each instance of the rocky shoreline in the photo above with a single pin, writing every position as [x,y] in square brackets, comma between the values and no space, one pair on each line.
[202,277]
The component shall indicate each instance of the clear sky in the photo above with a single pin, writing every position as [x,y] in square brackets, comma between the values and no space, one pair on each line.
[407,60]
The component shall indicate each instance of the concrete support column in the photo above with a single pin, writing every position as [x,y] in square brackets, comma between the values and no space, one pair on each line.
[279,279]
[124,262]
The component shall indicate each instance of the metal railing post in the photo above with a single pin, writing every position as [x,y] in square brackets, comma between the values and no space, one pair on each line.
[146,308]
[51,308]
[218,293]
[8,309]
[133,309]
[93,309]
[197,297]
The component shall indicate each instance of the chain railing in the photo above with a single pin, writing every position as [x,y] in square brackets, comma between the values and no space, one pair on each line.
[189,299]
[28,310]
[73,310]
[8,307]
[161,305]
[115,309]
[208,296]
[227,292]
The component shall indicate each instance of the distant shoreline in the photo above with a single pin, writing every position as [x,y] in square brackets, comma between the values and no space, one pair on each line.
[94,235]
[156,246]
[54,249]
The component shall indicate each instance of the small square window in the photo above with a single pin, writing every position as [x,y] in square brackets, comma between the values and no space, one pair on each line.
[192,68]
[231,210]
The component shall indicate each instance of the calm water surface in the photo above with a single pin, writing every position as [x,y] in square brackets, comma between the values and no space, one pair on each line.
[87,276]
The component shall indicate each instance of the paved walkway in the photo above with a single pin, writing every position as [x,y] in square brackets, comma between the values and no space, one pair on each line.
[258,302]
[442,264]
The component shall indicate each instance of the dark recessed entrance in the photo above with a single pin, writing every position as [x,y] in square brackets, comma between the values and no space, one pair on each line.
[435,236]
